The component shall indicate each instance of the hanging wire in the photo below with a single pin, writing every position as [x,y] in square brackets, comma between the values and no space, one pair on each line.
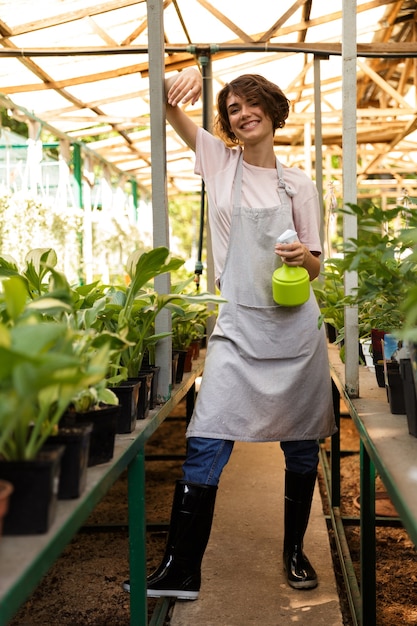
[331,204]
[203,60]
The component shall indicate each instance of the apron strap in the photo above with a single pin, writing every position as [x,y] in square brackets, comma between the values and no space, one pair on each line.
[281,182]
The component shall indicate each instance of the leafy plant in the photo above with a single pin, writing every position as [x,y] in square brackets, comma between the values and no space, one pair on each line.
[190,312]
[329,292]
[386,270]
[43,365]
[126,313]
[409,305]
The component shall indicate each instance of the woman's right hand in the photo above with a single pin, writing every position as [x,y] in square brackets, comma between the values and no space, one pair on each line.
[184,87]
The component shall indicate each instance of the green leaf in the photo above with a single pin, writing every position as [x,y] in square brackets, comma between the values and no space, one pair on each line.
[146,266]
[16,296]
[48,305]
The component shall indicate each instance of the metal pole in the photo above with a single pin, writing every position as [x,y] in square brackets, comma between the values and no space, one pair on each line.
[205,63]
[159,185]
[78,177]
[137,540]
[349,51]
[206,66]
[318,141]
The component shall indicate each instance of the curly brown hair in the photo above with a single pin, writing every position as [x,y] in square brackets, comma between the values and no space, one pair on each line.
[253,88]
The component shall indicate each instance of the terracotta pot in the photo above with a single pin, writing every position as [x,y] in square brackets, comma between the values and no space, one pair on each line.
[376,337]
[188,359]
[6,490]
[196,348]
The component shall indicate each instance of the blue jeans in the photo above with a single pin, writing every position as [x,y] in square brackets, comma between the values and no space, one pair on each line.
[206,458]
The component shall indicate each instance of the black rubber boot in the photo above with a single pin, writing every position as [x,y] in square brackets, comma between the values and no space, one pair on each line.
[179,574]
[299,490]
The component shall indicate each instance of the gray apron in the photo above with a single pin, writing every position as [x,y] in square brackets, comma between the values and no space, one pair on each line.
[266,375]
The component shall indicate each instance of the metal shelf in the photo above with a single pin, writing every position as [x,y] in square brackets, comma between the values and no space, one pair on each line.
[25,559]
[386,447]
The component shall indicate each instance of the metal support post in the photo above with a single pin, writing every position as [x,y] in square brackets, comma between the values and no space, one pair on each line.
[137,540]
[368,538]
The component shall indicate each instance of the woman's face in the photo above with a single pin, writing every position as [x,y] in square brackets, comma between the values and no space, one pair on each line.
[247,120]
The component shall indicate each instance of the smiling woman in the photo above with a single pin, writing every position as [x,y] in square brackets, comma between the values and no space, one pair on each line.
[262,359]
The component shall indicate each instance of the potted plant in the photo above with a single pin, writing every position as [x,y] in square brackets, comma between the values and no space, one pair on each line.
[329,292]
[124,315]
[189,312]
[134,309]
[43,364]
[96,409]
[386,270]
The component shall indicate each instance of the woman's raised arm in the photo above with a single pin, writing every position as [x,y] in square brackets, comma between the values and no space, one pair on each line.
[180,89]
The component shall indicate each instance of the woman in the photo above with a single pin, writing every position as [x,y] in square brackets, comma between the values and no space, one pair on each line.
[266,375]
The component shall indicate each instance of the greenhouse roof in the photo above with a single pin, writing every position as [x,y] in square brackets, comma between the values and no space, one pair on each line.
[81,67]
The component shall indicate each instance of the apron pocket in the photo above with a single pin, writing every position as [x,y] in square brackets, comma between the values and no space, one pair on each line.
[273,332]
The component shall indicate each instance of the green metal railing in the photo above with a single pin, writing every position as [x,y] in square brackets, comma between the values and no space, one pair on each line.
[384,444]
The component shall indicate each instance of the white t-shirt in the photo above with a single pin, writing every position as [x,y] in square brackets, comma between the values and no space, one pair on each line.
[217,164]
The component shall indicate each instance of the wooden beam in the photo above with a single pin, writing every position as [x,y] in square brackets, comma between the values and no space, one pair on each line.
[49,21]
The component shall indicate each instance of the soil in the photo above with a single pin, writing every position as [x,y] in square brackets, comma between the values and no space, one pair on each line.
[83,588]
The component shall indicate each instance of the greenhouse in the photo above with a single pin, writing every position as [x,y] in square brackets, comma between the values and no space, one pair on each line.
[127,265]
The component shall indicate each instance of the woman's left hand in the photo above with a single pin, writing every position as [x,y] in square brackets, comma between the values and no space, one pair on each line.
[297,254]
[292,253]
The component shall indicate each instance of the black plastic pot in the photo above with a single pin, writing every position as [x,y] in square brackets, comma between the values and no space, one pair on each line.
[412,348]
[395,388]
[182,355]
[410,398]
[32,505]
[174,365]
[144,394]
[128,394]
[331,332]
[74,462]
[154,369]
[104,420]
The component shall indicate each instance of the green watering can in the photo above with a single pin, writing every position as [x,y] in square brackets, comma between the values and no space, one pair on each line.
[290,285]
